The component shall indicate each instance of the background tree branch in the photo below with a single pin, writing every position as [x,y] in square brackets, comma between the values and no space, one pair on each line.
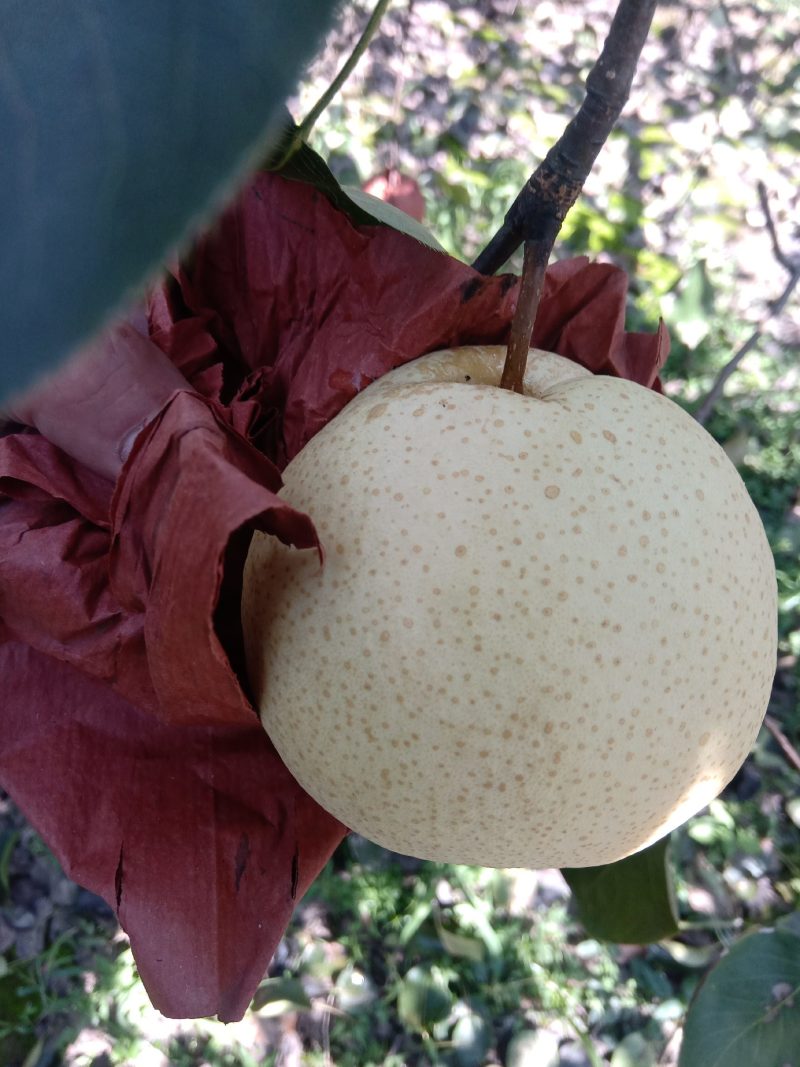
[788,749]
[703,413]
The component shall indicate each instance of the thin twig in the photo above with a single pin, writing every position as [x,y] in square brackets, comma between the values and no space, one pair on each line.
[536,216]
[777,251]
[308,123]
[788,749]
[703,413]
[734,42]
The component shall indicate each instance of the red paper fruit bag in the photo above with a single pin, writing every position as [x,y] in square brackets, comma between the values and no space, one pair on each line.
[126,732]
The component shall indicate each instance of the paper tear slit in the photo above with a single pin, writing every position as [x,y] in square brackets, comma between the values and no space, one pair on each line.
[242,857]
[118,877]
[295,872]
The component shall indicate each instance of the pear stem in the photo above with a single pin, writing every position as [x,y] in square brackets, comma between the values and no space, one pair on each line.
[536,215]
[530,293]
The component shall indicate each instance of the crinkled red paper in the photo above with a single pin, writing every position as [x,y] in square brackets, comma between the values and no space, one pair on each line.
[126,733]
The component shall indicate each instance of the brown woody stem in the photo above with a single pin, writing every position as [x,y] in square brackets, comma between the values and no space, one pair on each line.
[536,215]
[530,292]
[788,749]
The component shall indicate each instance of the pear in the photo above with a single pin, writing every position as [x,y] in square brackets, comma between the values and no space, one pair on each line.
[544,631]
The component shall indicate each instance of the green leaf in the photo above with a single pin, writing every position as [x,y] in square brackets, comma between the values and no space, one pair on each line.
[472,1039]
[424,998]
[790,924]
[696,957]
[786,84]
[34,1057]
[8,842]
[277,996]
[392,216]
[693,307]
[793,807]
[121,125]
[414,921]
[705,831]
[468,948]
[355,991]
[306,165]
[634,1051]
[472,916]
[748,1009]
[631,901]
[532,1048]
[18,1013]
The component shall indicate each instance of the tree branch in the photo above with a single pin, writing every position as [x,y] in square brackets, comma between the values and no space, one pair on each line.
[538,212]
[777,251]
[788,749]
[703,413]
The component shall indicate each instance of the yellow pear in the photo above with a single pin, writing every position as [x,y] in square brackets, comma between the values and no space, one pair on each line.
[544,632]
